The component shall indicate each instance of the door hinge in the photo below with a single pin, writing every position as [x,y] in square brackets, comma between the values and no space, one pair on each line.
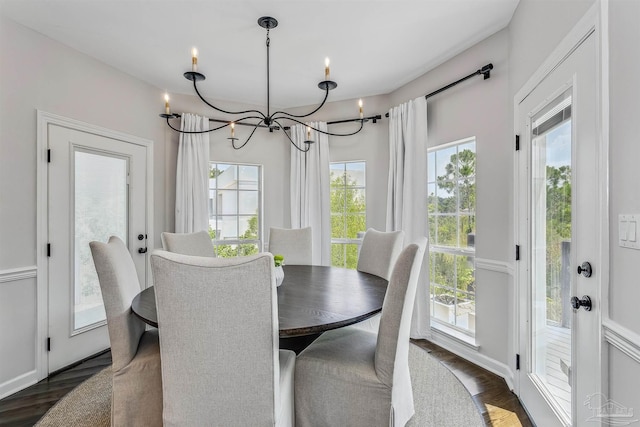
[48,249]
[517,362]
[517,142]
[48,343]
[517,252]
[49,155]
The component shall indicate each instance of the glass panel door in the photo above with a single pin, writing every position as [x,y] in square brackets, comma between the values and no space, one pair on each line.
[550,321]
[100,187]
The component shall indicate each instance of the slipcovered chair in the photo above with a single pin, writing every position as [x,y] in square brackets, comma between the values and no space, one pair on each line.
[136,398]
[197,244]
[218,324]
[295,244]
[378,254]
[352,377]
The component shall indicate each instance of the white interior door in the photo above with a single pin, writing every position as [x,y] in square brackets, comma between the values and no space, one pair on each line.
[558,221]
[97,188]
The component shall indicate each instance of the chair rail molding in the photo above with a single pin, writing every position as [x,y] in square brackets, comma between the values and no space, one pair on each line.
[20,273]
[494,265]
[625,340]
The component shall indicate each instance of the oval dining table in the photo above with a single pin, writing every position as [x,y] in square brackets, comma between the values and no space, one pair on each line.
[311,299]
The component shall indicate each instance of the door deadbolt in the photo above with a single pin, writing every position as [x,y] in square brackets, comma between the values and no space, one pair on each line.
[585,269]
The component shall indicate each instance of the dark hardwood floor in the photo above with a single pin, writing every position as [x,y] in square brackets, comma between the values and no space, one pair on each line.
[490,393]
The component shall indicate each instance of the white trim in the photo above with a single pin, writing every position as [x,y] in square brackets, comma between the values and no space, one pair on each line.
[45,119]
[625,340]
[20,273]
[494,265]
[583,29]
[471,354]
[18,383]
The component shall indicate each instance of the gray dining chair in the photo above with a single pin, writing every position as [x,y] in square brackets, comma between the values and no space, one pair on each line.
[136,397]
[353,377]
[218,325]
[197,244]
[378,253]
[295,244]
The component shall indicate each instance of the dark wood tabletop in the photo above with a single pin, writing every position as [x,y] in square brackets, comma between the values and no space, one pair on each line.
[311,299]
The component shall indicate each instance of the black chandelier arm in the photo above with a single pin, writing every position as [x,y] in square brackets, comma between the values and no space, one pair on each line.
[195,87]
[291,140]
[286,115]
[195,131]
[330,133]
[233,140]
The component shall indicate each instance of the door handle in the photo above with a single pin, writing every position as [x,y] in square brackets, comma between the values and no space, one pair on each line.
[585,302]
[142,250]
[585,269]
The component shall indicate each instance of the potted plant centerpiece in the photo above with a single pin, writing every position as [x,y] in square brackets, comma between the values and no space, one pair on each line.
[278,260]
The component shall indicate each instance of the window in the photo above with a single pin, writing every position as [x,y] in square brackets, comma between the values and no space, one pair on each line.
[348,213]
[235,208]
[452,227]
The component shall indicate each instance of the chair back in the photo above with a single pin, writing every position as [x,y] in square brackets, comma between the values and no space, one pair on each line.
[295,244]
[218,326]
[379,252]
[197,244]
[392,347]
[119,285]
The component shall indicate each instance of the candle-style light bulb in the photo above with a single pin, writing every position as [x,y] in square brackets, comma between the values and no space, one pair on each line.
[308,133]
[326,68]
[194,60]
[233,129]
[360,105]
[167,109]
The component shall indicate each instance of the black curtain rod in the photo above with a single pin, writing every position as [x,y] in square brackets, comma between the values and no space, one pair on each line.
[485,71]
[366,119]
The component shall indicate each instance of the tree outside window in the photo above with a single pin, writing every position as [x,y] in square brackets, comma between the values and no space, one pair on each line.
[452,227]
[348,212]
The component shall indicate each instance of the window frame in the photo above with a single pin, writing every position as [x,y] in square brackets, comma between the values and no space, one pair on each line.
[456,251]
[259,242]
[345,241]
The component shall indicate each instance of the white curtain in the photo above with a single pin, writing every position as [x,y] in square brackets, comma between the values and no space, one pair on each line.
[407,192]
[192,176]
[310,203]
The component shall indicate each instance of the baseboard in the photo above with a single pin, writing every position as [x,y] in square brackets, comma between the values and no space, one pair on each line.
[475,357]
[16,384]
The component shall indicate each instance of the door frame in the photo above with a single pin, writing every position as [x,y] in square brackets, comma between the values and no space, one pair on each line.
[44,119]
[594,21]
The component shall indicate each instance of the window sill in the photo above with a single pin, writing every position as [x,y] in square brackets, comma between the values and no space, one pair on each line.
[457,336]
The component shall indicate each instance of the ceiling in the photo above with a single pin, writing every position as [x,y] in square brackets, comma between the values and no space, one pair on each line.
[375,46]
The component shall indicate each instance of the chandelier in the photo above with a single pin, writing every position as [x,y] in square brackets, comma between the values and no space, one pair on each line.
[273,121]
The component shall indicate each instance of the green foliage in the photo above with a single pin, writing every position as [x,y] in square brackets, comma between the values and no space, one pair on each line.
[243,249]
[348,217]
[278,260]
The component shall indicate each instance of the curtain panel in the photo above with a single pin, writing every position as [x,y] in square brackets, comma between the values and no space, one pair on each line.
[310,202]
[192,176]
[407,192]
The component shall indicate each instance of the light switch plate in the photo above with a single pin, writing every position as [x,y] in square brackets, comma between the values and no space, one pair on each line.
[628,231]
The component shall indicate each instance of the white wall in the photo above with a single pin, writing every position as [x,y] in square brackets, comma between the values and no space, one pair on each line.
[624,291]
[38,73]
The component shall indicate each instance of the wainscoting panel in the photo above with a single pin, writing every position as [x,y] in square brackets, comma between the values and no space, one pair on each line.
[17,329]
[625,340]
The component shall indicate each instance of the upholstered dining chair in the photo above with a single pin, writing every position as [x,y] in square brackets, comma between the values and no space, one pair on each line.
[353,377]
[218,325]
[197,244]
[136,397]
[295,244]
[378,253]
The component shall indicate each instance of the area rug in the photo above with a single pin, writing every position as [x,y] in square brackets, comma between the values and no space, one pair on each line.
[440,399]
